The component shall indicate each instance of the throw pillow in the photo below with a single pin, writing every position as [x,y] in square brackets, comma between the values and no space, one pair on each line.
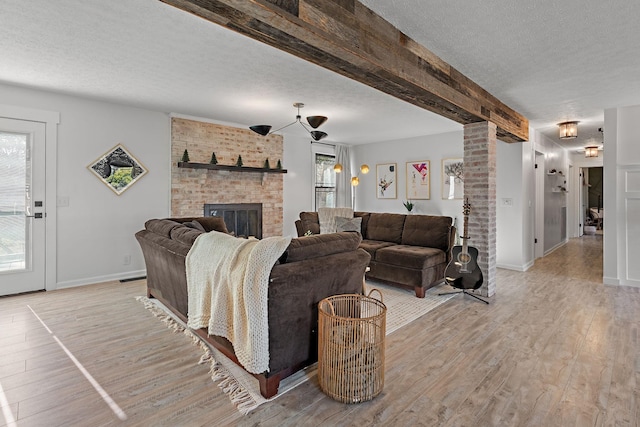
[195,224]
[327,218]
[348,224]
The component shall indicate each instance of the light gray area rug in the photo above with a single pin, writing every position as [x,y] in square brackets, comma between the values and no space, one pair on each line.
[243,389]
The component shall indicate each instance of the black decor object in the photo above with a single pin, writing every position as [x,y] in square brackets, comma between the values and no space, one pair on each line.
[261,129]
[463,271]
[314,122]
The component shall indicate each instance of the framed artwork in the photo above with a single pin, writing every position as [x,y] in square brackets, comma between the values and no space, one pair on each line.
[418,180]
[117,169]
[452,179]
[386,179]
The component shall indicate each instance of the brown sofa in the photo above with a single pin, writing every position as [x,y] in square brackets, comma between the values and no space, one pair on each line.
[311,269]
[406,250]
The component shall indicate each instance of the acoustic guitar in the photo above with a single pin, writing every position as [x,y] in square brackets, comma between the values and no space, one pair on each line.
[463,271]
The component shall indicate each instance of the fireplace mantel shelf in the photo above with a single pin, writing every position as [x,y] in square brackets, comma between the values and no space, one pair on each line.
[228,168]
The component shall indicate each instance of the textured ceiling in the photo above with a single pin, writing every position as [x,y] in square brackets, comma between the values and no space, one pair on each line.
[549,60]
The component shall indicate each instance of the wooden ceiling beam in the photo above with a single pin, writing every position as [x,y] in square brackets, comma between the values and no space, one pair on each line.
[348,38]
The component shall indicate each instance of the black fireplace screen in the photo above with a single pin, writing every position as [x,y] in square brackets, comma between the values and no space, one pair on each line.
[243,219]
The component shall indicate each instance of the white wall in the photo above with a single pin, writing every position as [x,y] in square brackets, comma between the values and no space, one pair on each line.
[513,206]
[298,181]
[555,157]
[97,229]
[433,148]
[528,200]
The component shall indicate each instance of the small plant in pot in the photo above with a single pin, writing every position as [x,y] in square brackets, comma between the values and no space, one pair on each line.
[408,205]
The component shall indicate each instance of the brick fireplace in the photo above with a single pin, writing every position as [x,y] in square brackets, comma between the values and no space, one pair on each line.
[242,219]
[192,189]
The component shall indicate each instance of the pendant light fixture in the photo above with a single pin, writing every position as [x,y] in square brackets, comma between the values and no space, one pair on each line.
[314,122]
[568,130]
[591,151]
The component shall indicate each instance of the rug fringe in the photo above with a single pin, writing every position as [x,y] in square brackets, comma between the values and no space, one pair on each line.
[240,397]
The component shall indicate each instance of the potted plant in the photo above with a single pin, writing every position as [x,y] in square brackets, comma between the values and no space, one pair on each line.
[408,205]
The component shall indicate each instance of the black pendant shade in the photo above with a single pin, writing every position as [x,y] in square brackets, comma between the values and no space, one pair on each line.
[317,135]
[261,129]
[314,122]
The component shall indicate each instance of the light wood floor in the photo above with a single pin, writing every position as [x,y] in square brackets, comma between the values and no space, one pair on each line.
[556,347]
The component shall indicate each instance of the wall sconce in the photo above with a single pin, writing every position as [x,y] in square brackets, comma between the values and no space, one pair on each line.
[591,151]
[568,130]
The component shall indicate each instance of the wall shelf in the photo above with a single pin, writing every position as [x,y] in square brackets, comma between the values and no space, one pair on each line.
[209,166]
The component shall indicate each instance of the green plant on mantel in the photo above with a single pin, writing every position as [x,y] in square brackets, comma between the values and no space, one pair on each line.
[266,164]
[239,162]
[279,165]
[185,156]
[214,160]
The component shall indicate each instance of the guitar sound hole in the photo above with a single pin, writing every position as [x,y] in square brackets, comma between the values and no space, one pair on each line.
[464,258]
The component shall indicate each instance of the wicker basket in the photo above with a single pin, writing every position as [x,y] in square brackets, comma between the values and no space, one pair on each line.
[351,337]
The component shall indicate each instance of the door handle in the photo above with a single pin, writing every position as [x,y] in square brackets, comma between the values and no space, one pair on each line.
[37,215]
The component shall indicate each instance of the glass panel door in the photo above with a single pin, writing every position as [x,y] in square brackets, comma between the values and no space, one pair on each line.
[15,187]
[22,206]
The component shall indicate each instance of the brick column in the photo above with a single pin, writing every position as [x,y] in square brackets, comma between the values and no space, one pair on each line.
[480,188]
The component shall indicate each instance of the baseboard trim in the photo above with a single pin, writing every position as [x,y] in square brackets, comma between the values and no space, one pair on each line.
[100,279]
[515,267]
[559,245]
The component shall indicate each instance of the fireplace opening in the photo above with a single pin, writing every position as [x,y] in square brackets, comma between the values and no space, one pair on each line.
[242,219]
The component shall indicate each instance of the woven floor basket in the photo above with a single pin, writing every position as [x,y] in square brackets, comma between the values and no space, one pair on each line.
[351,337]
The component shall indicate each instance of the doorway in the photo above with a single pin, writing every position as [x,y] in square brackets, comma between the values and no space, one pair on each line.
[539,209]
[591,200]
[22,206]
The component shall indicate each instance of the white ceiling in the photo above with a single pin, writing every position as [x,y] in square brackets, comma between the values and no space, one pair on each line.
[549,60]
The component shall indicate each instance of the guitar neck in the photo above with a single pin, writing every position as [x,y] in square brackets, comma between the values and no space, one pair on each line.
[465,232]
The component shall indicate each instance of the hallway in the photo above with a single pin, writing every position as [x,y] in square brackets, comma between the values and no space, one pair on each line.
[580,258]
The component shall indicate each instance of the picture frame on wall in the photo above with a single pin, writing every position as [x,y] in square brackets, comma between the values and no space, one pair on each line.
[386,181]
[452,178]
[118,169]
[418,176]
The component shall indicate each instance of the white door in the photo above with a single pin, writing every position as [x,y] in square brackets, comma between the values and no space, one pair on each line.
[22,206]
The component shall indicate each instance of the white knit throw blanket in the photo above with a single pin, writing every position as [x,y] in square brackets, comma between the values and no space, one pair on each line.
[227,284]
[327,218]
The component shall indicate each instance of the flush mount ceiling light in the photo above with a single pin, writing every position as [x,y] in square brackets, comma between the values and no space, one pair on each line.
[591,151]
[314,122]
[568,130]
